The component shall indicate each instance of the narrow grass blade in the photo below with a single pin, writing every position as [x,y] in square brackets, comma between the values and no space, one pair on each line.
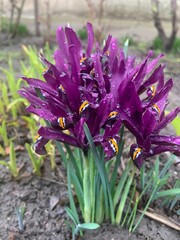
[142,176]
[73,161]
[146,207]
[72,204]
[124,197]
[12,161]
[120,185]
[169,192]
[36,162]
[87,197]
[129,208]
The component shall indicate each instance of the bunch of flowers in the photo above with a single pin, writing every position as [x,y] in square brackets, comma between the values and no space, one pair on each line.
[87,99]
[103,89]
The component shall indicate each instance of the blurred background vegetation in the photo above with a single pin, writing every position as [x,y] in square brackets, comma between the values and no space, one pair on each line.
[152,23]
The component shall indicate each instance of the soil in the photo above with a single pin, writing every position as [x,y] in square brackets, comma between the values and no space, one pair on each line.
[45,197]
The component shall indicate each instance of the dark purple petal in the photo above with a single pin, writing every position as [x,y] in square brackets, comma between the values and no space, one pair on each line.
[140,75]
[41,112]
[131,125]
[61,40]
[137,155]
[73,40]
[79,132]
[153,63]
[39,145]
[107,44]
[130,102]
[61,65]
[105,107]
[165,140]
[58,110]
[149,122]
[113,52]
[41,85]
[110,148]
[74,61]
[72,92]
[50,133]
[167,119]
[156,76]
[50,66]
[51,80]
[32,98]
[90,39]
[162,95]
[113,131]
[99,74]
[166,148]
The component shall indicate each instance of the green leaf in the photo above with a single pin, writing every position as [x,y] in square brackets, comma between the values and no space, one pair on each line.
[72,203]
[126,45]
[120,185]
[71,215]
[124,197]
[12,161]
[16,102]
[169,192]
[90,226]
[36,161]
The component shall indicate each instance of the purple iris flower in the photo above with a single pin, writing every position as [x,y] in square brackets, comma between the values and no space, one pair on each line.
[76,90]
[147,120]
[104,89]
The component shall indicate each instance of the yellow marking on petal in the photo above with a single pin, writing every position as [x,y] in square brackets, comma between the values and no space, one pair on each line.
[45,70]
[61,88]
[112,115]
[153,90]
[92,71]
[62,122]
[107,53]
[113,144]
[82,59]
[136,153]
[83,106]
[36,137]
[156,108]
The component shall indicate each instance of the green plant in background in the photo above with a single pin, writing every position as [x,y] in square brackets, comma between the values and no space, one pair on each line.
[82,33]
[11,164]
[131,40]
[157,45]
[171,201]
[36,161]
[6,27]
[11,105]
[176,124]
[11,100]
[20,215]
[33,67]
[3,133]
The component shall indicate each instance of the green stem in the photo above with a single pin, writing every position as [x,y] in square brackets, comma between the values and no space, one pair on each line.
[86,190]
[124,197]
